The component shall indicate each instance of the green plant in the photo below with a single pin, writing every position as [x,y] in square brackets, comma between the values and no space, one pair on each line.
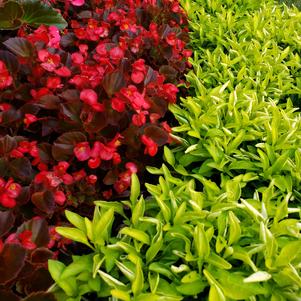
[180,242]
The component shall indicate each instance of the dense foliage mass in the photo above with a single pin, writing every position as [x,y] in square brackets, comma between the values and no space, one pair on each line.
[223,222]
[83,95]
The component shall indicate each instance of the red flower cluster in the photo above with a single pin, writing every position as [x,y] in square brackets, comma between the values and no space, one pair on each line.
[82,109]
[9,191]
[5,78]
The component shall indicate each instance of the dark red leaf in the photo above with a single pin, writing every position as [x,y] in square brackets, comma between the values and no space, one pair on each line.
[98,123]
[113,82]
[169,72]
[20,47]
[157,134]
[21,169]
[24,196]
[63,147]
[7,219]
[71,110]
[50,102]
[11,261]
[44,201]
[39,229]
[49,126]
[11,116]
[7,144]
[45,152]
[10,61]
[70,95]
[39,280]
[7,295]
[150,76]
[30,108]
[110,178]
[41,255]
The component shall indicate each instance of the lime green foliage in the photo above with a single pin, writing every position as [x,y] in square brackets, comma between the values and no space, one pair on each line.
[224,220]
[180,242]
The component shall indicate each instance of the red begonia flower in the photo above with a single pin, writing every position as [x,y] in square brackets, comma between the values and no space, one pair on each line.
[82,151]
[118,104]
[116,54]
[25,238]
[132,167]
[171,39]
[5,79]
[107,194]
[79,175]
[7,201]
[49,61]
[59,197]
[139,71]
[139,119]
[13,190]
[54,83]
[98,107]
[151,146]
[29,119]
[77,2]
[170,91]
[116,159]
[106,152]
[77,58]
[92,179]
[63,71]
[135,98]
[94,162]
[89,96]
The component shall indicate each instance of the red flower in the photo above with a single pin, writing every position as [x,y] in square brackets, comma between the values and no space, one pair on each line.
[63,71]
[5,79]
[118,104]
[9,191]
[5,107]
[107,194]
[106,152]
[7,201]
[116,159]
[77,2]
[92,179]
[54,83]
[139,119]
[1,245]
[171,39]
[170,92]
[89,96]
[79,175]
[82,151]
[59,197]
[94,162]
[29,119]
[25,238]
[135,98]
[139,71]
[77,58]
[116,54]
[131,167]
[151,146]
[49,61]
